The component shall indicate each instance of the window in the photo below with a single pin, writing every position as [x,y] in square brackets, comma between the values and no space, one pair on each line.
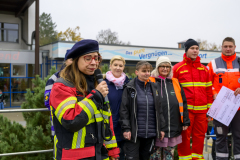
[18,70]
[8,32]
[4,70]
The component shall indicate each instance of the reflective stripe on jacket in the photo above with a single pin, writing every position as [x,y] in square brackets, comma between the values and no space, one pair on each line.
[195,80]
[78,123]
[224,71]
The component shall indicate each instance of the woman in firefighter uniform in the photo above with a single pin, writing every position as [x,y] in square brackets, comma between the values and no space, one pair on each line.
[82,121]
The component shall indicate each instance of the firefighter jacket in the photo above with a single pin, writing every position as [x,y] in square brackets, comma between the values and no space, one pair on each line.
[81,122]
[224,71]
[128,110]
[197,85]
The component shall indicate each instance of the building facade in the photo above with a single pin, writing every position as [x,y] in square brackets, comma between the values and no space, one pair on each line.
[56,51]
[17,55]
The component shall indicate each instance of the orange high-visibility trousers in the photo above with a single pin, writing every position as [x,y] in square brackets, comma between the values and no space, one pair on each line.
[197,129]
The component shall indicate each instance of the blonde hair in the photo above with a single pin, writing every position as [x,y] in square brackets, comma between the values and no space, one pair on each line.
[117,57]
[72,74]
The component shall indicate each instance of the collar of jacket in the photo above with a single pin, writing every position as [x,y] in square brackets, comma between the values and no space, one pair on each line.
[195,63]
[131,83]
[229,58]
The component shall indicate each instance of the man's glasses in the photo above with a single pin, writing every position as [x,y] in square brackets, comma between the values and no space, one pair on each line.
[89,58]
[163,67]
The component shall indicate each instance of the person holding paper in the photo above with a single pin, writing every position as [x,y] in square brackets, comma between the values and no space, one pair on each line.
[224,71]
[196,83]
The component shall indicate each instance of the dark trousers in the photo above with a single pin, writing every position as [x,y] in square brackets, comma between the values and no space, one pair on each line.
[221,131]
[121,145]
[213,150]
[141,150]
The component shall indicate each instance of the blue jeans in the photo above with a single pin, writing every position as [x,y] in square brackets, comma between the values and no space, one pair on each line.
[1,105]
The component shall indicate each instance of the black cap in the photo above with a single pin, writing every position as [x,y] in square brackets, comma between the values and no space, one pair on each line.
[189,43]
[83,47]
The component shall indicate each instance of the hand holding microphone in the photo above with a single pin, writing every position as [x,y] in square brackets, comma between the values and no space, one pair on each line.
[102,88]
[102,85]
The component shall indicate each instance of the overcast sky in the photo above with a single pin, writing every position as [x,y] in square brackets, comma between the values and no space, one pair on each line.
[161,23]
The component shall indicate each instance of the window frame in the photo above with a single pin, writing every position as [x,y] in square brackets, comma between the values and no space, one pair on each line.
[6,29]
[25,71]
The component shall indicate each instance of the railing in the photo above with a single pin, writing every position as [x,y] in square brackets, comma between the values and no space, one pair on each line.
[28,152]
[51,150]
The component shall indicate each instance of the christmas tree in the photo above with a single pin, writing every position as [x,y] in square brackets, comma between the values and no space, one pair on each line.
[37,133]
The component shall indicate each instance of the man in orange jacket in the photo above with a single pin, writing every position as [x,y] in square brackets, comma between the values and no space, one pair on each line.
[224,71]
[196,83]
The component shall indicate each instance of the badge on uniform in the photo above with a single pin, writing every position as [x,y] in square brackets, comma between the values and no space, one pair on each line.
[238,80]
[46,97]
[220,80]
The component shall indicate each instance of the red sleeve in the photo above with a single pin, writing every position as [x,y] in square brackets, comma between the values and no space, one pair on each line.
[73,115]
[209,89]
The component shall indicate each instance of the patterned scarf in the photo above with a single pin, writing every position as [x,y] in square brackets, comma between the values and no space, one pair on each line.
[118,82]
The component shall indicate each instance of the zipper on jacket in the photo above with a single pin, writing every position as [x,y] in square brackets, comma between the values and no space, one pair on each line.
[135,111]
[147,110]
[168,109]
[156,117]
[134,105]
[157,122]
[193,88]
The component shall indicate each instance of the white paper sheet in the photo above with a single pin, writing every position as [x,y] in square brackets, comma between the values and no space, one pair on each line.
[225,106]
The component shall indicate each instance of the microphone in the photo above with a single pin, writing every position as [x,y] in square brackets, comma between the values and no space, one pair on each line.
[99,77]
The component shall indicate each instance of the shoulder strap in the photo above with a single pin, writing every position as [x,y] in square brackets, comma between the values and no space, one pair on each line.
[152,79]
[176,84]
[65,82]
[177,90]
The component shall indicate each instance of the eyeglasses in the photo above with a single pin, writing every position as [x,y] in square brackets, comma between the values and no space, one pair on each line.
[163,67]
[89,58]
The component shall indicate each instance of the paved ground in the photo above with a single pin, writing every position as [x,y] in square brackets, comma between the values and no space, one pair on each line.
[16,116]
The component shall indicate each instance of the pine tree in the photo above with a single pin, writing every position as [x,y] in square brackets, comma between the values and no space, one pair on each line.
[37,133]
[47,31]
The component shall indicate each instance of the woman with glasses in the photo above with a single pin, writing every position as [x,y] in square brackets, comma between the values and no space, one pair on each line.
[82,121]
[115,79]
[174,106]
